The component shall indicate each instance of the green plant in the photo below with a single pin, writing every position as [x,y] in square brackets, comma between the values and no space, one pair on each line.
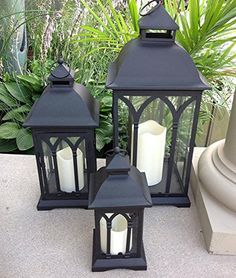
[207,32]
[102,35]
[90,34]
[16,99]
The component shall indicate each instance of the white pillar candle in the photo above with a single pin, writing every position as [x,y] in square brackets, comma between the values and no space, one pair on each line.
[151,150]
[65,165]
[118,235]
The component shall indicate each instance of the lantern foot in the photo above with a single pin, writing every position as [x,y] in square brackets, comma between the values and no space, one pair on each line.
[99,265]
[178,201]
[53,204]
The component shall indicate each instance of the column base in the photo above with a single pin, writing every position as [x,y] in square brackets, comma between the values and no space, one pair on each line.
[217,221]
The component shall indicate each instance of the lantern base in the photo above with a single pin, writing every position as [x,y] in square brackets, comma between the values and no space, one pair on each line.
[178,201]
[99,265]
[69,203]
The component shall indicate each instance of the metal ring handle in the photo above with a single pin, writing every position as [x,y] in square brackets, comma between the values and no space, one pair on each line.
[60,62]
[145,6]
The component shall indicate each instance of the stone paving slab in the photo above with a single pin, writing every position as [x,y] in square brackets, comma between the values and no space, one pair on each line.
[58,243]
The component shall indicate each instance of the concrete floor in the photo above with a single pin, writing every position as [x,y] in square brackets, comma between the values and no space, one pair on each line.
[58,243]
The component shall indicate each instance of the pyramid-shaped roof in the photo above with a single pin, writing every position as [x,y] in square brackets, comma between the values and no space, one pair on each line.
[61,72]
[117,162]
[64,103]
[158,19]
[154,63]
[112,188]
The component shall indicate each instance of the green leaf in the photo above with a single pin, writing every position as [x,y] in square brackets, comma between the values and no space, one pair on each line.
[9,130]
[18,91]
[194,18]
[35,97]
[23,108]
[14,115]
[3,107]
[24,140]
[97,18]
[7,145]
[133,8]
[32,81]
[103,133]
[6,98]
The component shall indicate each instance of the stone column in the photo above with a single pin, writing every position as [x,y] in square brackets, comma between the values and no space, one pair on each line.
[230,142]
[217,166]
[213,180]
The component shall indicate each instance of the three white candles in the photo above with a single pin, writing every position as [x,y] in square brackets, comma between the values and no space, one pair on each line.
[151,150]
[65,165]
[118,235]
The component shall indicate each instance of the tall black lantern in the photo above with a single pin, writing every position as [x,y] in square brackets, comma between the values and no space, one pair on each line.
[63,123]
[118,193]
[156,99]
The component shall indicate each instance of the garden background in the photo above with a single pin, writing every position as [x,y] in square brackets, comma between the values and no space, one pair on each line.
[89,35]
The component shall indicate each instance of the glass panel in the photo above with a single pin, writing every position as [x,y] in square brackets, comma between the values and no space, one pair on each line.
[182,149]
[154,139]
[48,169]
[178,101]
[83,167]
[152,145]
[65,164]
[159,112]
[154,135]
[125,122]
[122,235]
[137,101]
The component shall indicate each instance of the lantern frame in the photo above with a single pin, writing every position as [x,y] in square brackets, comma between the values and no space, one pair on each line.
[61,199]
[164,198]
[66,113]
[155,67]
[129,260]
[129,201]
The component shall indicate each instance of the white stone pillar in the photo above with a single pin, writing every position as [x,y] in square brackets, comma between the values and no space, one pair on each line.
[217,166]
[213,181]
[230,142]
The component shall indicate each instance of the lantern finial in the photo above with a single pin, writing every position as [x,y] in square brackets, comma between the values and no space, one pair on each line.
[60,61]
[157,18]
[117,162]
[117,150]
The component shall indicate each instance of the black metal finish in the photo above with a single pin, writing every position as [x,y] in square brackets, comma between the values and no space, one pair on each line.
[165,196]
[101,264]
[116,185]
[64,119]
[64,104]
[155,69]
[118,191]
[157,18]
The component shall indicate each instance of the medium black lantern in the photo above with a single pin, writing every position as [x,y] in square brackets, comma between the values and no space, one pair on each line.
[156,100]
[118,193]
[63,123]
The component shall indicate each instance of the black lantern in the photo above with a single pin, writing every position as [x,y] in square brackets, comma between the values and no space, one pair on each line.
[156,100]
[118,193]
[63,123]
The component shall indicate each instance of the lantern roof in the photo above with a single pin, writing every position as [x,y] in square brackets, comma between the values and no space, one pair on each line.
[64,103]
[158,19]
[117,163]
[154,61]
[61,73]
[118,185]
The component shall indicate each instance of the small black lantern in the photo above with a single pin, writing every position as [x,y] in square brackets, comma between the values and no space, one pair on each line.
[63,123]
[156,100]
[118,193]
